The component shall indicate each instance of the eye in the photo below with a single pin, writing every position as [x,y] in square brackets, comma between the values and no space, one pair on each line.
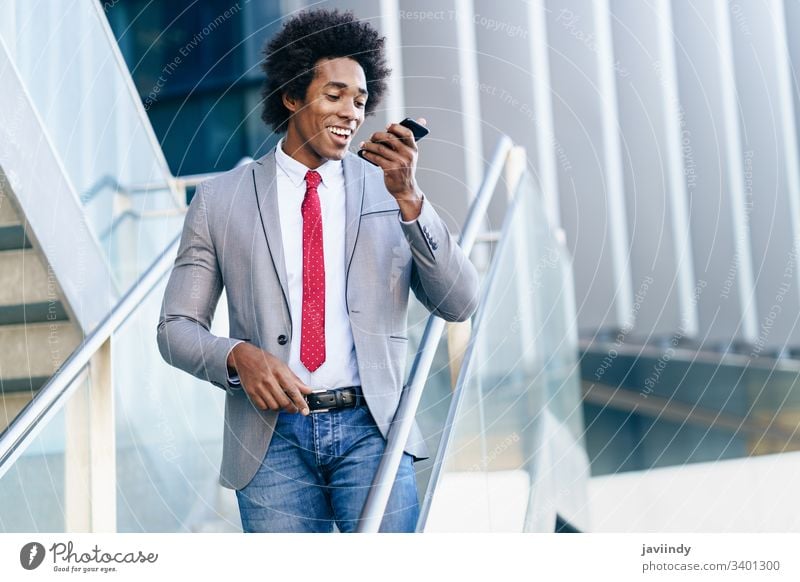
[361,104]
[333,97]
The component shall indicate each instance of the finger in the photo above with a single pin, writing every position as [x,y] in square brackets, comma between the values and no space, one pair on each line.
[292,380]
[405,134]
[380,161]
[269,401]
[302,387]
[298,401]
[295,388]
[376,159]
[422,121]
[295,385]
[390,140]
[379,149]
[257,401]
[278,394]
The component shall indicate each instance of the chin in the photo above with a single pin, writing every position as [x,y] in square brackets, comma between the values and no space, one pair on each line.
[337,154]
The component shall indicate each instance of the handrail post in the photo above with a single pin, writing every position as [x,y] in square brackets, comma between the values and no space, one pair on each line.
[90,474]
[458,334]
[102,441]
[77,461]
[399,430]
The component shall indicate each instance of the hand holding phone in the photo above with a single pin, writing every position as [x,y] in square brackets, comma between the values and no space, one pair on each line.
[417,129]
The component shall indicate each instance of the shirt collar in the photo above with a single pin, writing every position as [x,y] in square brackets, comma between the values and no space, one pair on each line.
[296,171]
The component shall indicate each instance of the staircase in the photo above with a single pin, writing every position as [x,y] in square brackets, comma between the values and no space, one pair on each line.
[36,334]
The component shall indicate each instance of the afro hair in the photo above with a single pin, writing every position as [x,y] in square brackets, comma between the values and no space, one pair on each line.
[290,57]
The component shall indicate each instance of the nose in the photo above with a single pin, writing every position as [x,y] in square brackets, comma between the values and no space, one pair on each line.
[348,110]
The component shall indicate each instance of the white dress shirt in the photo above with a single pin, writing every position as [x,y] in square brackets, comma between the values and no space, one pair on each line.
[340,367]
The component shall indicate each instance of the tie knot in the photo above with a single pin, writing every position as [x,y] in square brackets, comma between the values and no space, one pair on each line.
[313,179]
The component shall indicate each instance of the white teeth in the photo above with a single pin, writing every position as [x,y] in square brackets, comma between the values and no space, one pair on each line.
[338,131]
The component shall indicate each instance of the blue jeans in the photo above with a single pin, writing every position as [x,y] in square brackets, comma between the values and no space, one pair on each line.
[317,472]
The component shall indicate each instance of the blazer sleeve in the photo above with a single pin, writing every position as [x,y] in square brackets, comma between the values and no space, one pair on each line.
[442,277]
[193,290]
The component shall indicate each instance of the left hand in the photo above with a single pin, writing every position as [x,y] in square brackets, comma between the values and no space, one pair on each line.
[395,151]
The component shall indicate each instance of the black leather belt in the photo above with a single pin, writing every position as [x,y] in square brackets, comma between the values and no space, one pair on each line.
[336,398]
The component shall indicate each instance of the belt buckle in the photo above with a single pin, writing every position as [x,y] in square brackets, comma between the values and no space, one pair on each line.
[318,410]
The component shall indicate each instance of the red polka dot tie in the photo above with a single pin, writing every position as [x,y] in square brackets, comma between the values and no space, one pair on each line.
[312,340]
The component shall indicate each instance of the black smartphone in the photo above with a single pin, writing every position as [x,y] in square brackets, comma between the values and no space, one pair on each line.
[417,129]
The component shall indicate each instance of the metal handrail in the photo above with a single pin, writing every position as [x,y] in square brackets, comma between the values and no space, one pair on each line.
[192,180]
[131,214]
[180,183]
[399,430]
[53,395]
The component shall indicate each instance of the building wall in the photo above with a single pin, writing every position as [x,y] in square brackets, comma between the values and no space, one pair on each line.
[662,135]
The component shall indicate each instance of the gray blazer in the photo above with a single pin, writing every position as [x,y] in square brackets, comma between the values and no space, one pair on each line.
[232,239]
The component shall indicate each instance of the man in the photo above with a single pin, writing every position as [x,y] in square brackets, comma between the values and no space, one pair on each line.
[317,250]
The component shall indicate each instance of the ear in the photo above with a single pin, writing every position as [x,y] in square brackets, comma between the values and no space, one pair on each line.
[290,103]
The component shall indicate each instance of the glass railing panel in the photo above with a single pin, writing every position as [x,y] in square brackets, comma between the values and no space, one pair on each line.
[168,435]
[74,76]
[552,324]
[437,396]
[47,488]
[516,424]
[136,238]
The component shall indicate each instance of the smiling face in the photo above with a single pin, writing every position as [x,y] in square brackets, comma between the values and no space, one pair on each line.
[323,124]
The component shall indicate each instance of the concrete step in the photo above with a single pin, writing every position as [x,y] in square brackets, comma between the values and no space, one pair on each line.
[34,351]
[12,229]
[40,312]
[14,237]
[24,279]
[11,405]
[8,215]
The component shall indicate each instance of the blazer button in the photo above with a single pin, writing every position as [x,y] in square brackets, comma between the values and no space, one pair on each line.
[282,339]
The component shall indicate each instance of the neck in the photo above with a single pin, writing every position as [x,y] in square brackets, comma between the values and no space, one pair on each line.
[293,148]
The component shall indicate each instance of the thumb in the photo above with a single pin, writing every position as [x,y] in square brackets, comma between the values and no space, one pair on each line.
[303,388]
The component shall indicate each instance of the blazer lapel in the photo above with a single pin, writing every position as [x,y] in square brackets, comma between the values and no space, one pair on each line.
[265,187]
[354,201]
